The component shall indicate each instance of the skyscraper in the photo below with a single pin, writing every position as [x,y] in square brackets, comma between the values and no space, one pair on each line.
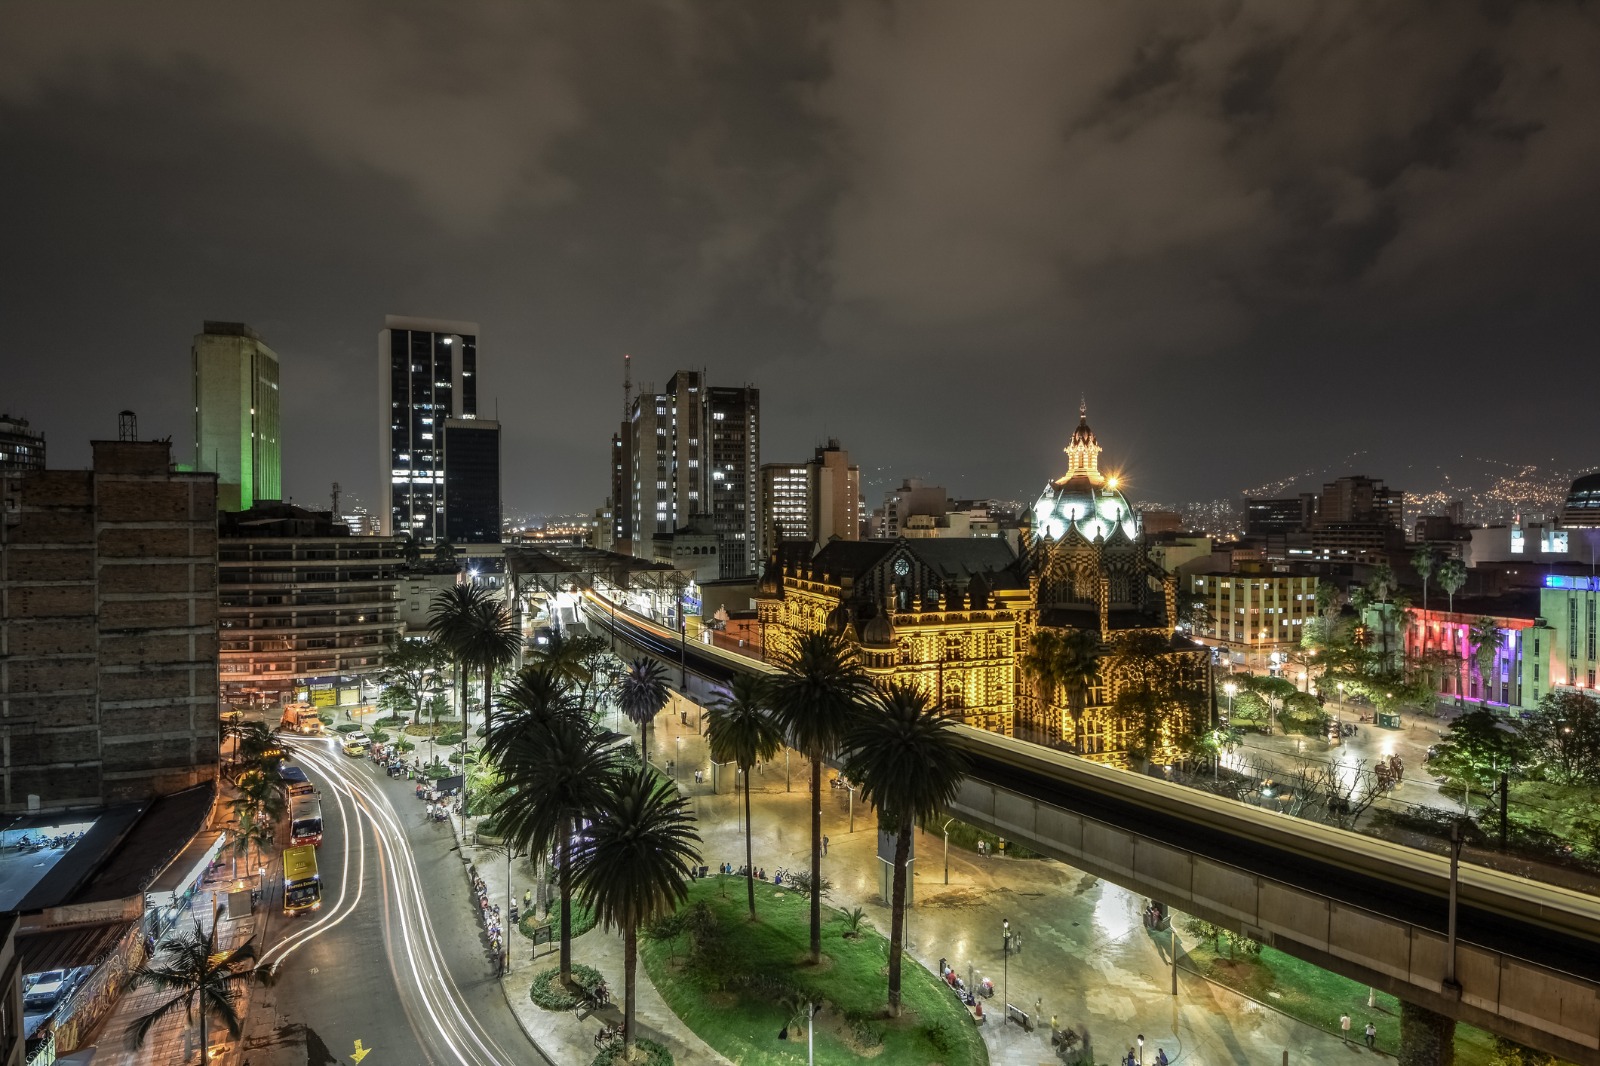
[696,451]
[472,481]
[427,374]
[236,414]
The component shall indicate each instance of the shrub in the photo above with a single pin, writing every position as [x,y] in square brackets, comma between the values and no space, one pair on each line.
[800,881]
[583,920]
[402,744]
[391,720]
[852,921]
[448,739]
[938,1037]
[863,1032]
[646,1053]
[436,771]
[548,991]
[347,727]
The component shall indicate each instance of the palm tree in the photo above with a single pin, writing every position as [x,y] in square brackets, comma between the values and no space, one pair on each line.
[1485,638]
[644,693]
[1067,659]
[477,630]
[1139,662]
[254,832]
[1042,661]
[634,864]
[739,730]
[815,698]
[1425,560]
[200,976]
[553,766]
[1453,575]
[258,795]
[903,752]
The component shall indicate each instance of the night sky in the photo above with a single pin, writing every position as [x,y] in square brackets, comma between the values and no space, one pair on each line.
[1258,236]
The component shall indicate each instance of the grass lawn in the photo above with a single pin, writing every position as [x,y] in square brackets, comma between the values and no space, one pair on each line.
[734,1000]
[1317,997]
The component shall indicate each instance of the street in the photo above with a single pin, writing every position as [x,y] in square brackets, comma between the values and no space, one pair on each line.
[392,971]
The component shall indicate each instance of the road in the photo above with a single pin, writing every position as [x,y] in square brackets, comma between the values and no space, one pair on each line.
[395,958]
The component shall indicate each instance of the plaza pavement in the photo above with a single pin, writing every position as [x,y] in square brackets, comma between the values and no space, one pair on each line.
[1085,956]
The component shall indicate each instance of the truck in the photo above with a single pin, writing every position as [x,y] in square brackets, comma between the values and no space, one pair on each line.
[301,718]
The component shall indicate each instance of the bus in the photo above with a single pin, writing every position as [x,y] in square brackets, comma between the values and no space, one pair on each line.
[305,820]
[302,888]
[294,781]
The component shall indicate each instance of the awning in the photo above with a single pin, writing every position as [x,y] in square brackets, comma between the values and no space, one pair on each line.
[191,862]
[62,949]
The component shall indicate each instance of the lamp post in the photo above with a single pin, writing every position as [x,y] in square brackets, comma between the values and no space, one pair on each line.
[1230,688]
[1005,969]
[947,849]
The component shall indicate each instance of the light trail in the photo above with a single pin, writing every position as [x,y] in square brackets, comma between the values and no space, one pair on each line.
[431,989]
[300,937]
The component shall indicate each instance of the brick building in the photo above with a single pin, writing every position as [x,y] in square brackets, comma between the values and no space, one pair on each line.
[108,630]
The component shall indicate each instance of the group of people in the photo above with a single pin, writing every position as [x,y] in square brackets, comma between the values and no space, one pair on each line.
[490,912]
[1370,1033]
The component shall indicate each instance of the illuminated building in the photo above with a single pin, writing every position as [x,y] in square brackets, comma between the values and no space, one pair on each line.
[235,379]
[956,616]
[695,450]
[302,604]
[814,501]
[1446,637]
[1253,612]
[1565,638]
[21,448]
[427,375]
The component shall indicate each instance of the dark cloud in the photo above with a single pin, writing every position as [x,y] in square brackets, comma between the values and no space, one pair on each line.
[925,227]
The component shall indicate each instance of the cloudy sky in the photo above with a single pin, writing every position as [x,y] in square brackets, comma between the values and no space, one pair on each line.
[1257,236]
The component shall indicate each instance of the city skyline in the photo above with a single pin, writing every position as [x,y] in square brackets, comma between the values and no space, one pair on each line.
[1151,224]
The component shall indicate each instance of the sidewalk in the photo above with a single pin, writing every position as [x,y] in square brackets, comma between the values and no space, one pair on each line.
[175,1039]
[1085,956]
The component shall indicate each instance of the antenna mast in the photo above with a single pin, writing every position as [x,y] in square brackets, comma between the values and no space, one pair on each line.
[336,500]
[627,386]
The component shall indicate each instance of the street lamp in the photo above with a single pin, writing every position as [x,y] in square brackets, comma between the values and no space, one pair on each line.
[947,849]
[1005,969]
[1140,1039]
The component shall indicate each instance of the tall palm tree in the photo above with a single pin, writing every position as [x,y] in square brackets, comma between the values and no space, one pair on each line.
[474,626]
[1064,659]
[1425,560]
[740,730]
[815,698]
[903,753]
[1453,575]
[255,832]
[1485,638]
[258,795]
[1140,662]
[633,864]
[553,765]
[1042,661]
[644,693]
[203,981]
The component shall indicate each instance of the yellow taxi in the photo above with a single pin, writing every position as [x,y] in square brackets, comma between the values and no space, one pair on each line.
[356,744]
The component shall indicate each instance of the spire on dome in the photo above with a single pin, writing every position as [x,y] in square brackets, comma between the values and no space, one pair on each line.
[1083,452]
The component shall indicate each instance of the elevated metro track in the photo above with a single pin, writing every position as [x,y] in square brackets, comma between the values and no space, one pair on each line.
[1527,955]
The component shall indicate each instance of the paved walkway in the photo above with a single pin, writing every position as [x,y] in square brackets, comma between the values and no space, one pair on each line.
[1085,956]
[175,1039]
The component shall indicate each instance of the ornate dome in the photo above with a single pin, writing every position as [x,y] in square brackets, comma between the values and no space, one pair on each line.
[1083,499]
[839,620]
[877,631]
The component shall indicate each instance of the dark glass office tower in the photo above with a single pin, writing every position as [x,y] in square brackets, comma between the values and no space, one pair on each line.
[472,481]
[427,374]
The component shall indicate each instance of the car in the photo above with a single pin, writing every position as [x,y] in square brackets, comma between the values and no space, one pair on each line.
[44,993]
[356,744]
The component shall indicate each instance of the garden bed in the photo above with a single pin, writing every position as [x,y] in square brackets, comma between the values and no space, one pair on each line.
[754,980]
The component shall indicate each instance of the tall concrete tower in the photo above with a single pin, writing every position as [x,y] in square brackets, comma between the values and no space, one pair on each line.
[236,414]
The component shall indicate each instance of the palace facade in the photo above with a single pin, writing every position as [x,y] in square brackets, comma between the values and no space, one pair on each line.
[958,618]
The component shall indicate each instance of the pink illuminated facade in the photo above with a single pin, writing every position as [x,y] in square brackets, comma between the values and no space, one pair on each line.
[1449,634]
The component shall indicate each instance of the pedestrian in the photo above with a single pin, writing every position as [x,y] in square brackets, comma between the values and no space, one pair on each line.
[1161,1057]
[824,844]
[1372,1035]
[1038,1009]
[1344,1027]
[527,899]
